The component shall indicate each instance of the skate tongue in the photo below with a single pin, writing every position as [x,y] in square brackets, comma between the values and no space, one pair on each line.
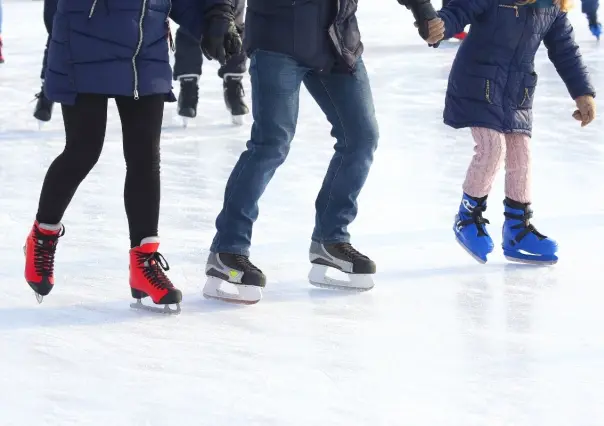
[149,245]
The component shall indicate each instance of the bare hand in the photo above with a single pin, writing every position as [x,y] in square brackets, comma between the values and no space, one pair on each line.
[586,112]
[436,30]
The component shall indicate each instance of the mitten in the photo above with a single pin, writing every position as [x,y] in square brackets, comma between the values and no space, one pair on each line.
[220,39]
[586,110]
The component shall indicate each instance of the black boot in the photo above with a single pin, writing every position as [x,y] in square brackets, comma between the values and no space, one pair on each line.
[188,97]
[234,96]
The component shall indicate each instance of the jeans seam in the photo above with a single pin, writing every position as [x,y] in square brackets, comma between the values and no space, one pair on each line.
[341,159]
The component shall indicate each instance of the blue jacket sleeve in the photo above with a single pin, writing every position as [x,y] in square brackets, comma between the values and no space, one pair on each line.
[566,57]
[459,13]
[189,14]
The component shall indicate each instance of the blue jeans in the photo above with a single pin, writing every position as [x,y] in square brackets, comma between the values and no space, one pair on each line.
[347,103]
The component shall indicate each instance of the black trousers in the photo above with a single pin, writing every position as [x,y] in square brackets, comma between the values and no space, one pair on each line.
[85,124]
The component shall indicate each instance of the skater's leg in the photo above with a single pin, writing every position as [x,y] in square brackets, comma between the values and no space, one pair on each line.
[275,80]
[236,65]
[347,102]
[488,156]
[85,124]
[590,8]
[141,131]
[518,167]
[188,58]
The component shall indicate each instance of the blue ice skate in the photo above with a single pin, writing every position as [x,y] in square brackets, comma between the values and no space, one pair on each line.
[596,30]
[470,230]
[521,241]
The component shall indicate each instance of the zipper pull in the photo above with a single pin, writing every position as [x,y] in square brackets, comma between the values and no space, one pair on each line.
[516,9]
[136,94]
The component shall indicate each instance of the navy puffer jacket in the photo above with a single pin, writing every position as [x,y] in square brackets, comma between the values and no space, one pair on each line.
[116,47]
[492,81]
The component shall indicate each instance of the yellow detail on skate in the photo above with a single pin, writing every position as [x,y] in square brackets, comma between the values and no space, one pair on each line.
[233,273]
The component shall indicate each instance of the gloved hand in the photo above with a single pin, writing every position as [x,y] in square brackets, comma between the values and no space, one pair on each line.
[220,38]
[586,111]
[423,11]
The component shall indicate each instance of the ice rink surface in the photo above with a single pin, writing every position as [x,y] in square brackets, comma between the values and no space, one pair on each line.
[440,341]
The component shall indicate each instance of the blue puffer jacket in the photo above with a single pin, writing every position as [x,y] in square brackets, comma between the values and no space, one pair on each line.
[492,81]
[116,47]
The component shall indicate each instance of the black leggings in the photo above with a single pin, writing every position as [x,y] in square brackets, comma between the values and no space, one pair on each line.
[85,124]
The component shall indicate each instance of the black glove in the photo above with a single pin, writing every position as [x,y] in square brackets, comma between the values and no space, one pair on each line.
[220,39]
[423,11]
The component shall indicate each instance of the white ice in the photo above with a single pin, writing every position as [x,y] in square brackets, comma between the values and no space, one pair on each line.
[440,340]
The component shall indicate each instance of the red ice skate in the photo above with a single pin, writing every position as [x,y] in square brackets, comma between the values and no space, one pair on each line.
[1,57]
[461,35]
[147,278]
[39,249]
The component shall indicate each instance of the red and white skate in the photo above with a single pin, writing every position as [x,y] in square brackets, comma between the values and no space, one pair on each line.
[147,278]
[39,250]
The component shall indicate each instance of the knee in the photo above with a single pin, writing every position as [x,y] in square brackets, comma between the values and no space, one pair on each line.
[143,163]
[80,161]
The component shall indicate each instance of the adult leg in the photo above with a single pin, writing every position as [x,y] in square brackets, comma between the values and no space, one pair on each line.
[141,131]
[347,102]
[85,124]
[276,81]
[188,58]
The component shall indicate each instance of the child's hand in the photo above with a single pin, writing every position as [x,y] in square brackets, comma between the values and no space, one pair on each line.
[586,111]
[436,30]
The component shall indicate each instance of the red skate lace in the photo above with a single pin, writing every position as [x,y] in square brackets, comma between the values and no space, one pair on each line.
[154,265]
[45,246]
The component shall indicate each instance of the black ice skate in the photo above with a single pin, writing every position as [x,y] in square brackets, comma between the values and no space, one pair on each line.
[188,97]
[233,278]
[234,97]
[43,110]
[344,258]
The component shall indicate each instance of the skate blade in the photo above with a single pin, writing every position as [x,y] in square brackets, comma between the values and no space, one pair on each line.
[476,258]
[165,310]
[217,289]
[238,120]
[534,260]
[356,283]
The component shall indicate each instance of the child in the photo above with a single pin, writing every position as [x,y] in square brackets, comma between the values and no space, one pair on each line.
[117,49]
[491,89]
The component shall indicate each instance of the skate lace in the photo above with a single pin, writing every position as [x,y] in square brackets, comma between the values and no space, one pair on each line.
[349,251]
[524,224]
[476,219]
[153,267]
[45,247]
[244,263]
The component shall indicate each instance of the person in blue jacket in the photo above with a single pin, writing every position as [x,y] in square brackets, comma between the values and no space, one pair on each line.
[102,49]
[491,90]
[316,43]
[590,9]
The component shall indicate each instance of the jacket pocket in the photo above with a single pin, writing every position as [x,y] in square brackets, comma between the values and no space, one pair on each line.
[527,91]
[306,29]
[479,83]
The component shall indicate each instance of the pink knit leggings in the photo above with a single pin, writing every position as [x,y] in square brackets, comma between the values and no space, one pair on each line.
[491,148]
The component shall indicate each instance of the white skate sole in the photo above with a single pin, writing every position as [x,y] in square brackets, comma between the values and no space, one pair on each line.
[238,120]
[218,289]
[165,310]
[356,282]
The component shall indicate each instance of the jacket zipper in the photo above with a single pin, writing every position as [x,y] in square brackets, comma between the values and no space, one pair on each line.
[509,6]
[92,9]
[171,45]
[487,92]
[138,48]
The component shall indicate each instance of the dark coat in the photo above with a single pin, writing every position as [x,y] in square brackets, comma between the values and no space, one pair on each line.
[115,47]
[492,81]
[317,33]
